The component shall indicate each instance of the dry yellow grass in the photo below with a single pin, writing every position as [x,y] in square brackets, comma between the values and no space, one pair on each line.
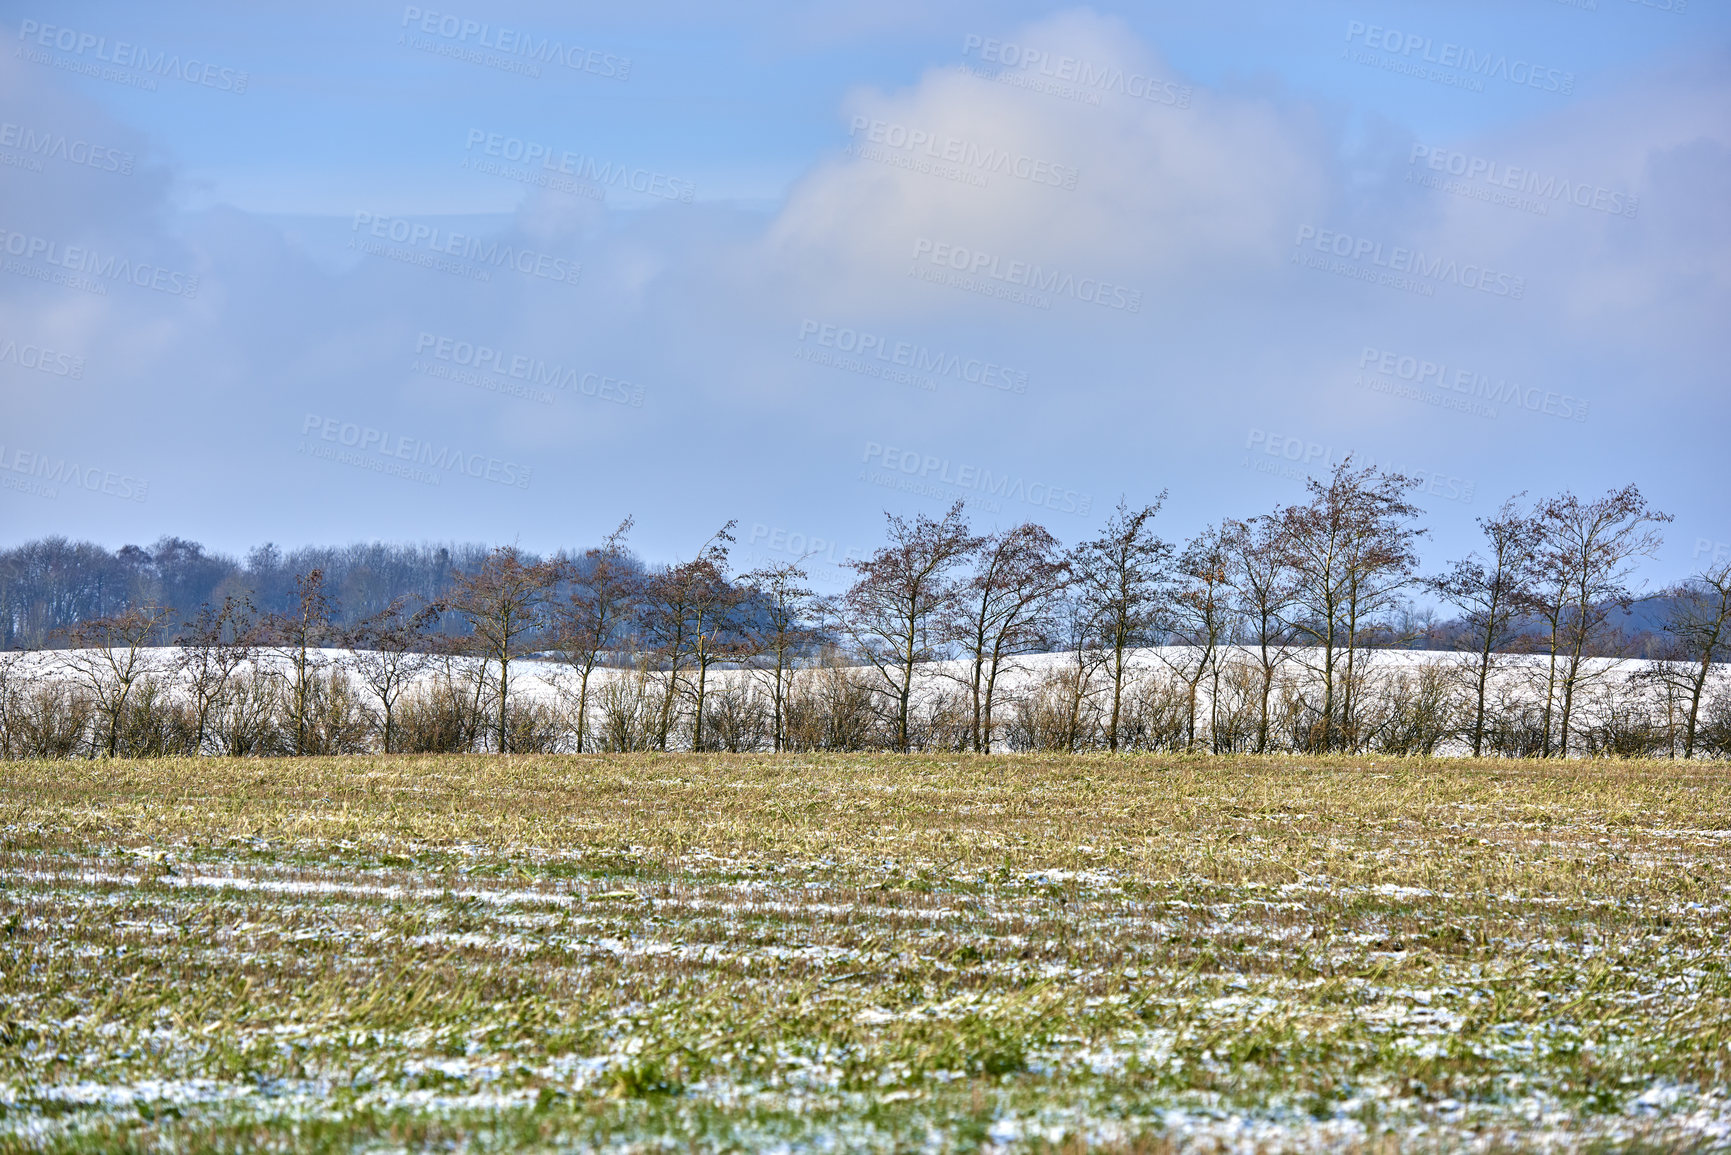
[870,951]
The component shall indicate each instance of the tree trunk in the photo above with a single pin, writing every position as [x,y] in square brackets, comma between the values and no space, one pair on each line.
[1117,693]
[1698,684]
[583,704]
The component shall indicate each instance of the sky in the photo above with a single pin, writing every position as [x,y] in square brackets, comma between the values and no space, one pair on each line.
[334,272]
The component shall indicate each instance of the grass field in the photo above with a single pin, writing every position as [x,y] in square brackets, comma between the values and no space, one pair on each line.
[860,952]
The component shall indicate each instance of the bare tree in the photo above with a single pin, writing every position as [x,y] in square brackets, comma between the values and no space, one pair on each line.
[111,655]
[688,618]
[1698,621]
[505,604]
[12,676]
[665,621]
[1351,551]
[1489,591]
[895,611]
[601,599]
[1119,579]
[1198,619]
[1262,584]
[1084,658]
[715,627]
[782,633]
[1585,554]
[388,651]
[214,646]
[1004,610]
[453,700]
[299,638]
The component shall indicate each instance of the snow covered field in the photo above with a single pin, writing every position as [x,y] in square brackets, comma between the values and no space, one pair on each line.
[863,952]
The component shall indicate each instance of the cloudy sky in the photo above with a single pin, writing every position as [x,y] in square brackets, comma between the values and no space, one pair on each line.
[508,272]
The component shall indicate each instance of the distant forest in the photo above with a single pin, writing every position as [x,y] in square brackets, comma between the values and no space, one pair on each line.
[50,585]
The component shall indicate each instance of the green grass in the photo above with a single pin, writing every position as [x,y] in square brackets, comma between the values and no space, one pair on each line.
[863,952]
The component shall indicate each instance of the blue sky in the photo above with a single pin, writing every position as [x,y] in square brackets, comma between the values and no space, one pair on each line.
[878,256]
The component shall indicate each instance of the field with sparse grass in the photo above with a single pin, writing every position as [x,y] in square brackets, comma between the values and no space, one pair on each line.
[859,952]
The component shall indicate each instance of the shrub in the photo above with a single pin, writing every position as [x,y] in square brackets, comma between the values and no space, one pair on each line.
[1233,716]
[1514,724]
[536,727]
[1624,724]
[831,708]
[629,707]
[736,718]
[51,719]
[247,723]
[941,721]
[1412,711]
[1155,715]
[155,723]
[437,717]
[1060,714]
[1713,725]
[339,721]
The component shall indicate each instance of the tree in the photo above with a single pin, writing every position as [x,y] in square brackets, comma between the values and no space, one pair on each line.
[1698,621]
[299,638]
[1351,550]
[895,610]
[48,586]
[1585,554]
[714,604]
[1004,610]
[1075,681]
[13,667]
[1119,580]
[111,655]
[214,645]
[781,632]
[689,614]
[666,624]
[1490,591]
[1262,586]
[1199,616]
[388,651]
[604,588]
[505,604]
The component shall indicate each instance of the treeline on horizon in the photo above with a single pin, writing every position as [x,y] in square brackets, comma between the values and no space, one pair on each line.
[1277,612]
[50,585]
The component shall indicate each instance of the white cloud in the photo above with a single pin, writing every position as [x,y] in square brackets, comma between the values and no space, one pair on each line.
[1171,196]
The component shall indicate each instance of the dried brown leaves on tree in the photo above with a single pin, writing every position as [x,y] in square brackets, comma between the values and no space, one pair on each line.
[1585,555]
[1490,591]
[1351,551]
[1004,609]
[690,620]
[603,593]
[894,612]
[113,656]
[1119,578]
[1698,623]
[505,603]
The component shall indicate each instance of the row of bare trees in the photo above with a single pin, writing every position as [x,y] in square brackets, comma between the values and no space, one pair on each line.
[1258,634]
